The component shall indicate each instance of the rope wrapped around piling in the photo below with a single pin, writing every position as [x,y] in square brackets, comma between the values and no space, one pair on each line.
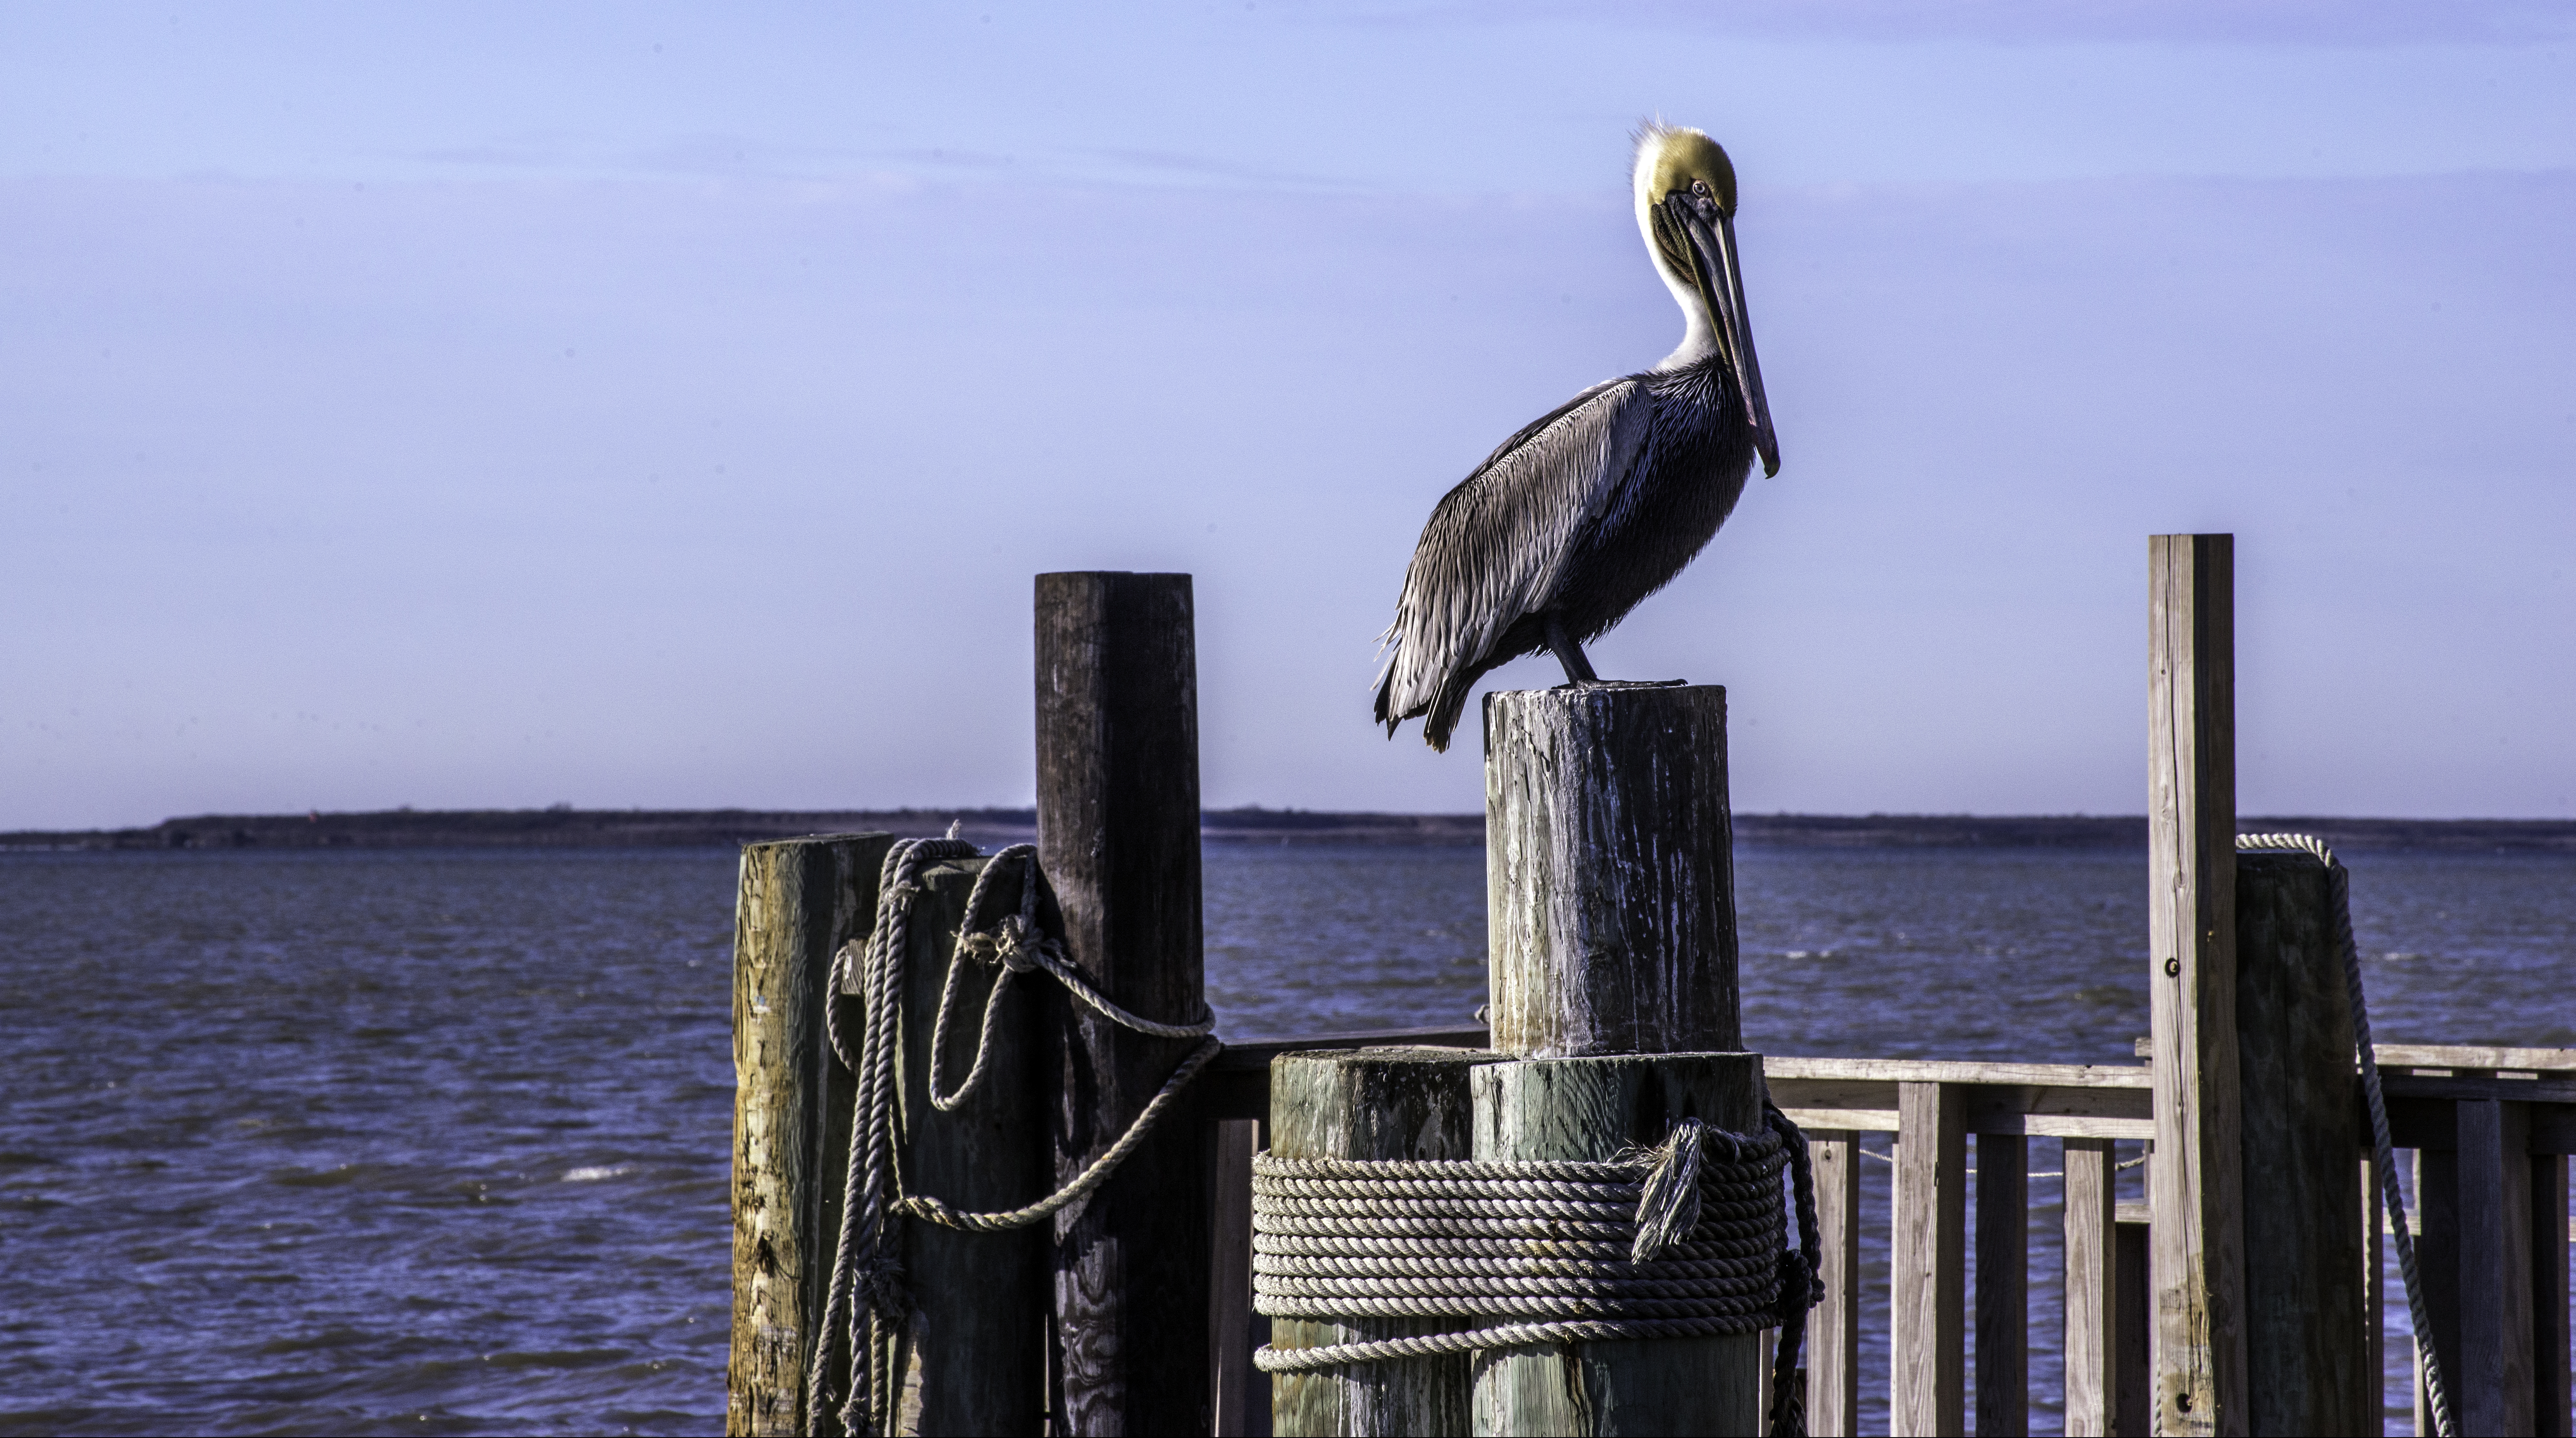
[1687,1240]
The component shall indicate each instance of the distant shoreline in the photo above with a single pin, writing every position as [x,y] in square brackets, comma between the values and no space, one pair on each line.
[566,828]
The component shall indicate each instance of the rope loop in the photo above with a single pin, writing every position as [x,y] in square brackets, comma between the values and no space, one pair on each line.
[867,1290]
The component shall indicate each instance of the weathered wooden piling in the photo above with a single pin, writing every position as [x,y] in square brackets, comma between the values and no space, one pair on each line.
[1611,913]
[800,900]
[1118,831]
[1588,1109]
[1382,1103]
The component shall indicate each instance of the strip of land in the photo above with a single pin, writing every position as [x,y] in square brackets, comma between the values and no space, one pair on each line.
[568,828]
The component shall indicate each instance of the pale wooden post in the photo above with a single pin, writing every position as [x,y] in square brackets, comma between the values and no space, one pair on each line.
[2494,1392]
[1833,1330]
[1383,1103]
[1591,1109]
[2003,1285]
[799,901]
[1927,1263]
[1118,829]
[2092,1289]
[2196,1191]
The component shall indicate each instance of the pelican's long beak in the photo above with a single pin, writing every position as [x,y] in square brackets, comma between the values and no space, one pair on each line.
[1721,282]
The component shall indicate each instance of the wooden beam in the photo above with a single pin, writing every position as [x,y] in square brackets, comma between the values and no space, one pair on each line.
[2493,1392]
[2549,1297]
[1927,1265]
[2003,1285]
[1833,1354]
[2436,1215]
[2092,1288]
[1118,831]
[2191,912]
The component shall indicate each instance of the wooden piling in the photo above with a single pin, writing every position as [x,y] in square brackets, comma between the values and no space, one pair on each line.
[799,901]
[1118,830]
[1610,876]
[1380,1103]
[1590,1109]
[2197,1189]
[2307,1316]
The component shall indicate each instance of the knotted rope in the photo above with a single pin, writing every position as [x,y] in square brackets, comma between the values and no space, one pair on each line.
[2392,1194]
[1683,1241]
[867,1264]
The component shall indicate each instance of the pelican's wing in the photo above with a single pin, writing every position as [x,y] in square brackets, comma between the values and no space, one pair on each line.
[1497,543]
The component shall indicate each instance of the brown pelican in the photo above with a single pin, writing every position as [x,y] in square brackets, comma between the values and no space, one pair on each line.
[1600,502]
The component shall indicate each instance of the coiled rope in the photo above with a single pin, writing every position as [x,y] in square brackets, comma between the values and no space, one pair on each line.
[2392,1195]
[867,1264]
[1682,1241]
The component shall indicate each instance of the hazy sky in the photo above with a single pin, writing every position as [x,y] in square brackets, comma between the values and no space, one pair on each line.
[461,405]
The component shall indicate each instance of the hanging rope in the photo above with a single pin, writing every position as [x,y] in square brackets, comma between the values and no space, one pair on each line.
[867,1264]
[2392,1194]
[1683,1241]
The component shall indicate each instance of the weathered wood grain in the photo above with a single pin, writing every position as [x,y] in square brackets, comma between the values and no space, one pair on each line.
[799,901]
[2191,924]
[1833,1330]
[1389,1103]
[2494,1390]
[1610,875]
[1927,1265]
[2003,1285]
[2306,1319]
[1590,1108]
[1118,830]
[2092,1289]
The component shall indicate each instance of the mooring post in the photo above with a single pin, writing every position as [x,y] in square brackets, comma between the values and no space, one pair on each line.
[2196,1183]
[799,901]
[1118,831]
[1611,913]
[1383,1103]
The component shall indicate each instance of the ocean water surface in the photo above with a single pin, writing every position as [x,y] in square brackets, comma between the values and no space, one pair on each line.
[428,1142]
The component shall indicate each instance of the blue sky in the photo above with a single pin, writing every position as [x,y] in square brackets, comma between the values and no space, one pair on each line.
[497,405]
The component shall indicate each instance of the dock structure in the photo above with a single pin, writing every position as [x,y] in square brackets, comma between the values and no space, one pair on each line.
[2244,1296]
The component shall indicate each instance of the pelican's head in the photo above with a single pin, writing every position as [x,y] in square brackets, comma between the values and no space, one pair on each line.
[1686,210]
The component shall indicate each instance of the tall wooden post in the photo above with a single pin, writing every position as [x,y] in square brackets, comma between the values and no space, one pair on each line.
[1610,877]
[1389,1103]
[1118,831]
[800,900]
[2196,1183]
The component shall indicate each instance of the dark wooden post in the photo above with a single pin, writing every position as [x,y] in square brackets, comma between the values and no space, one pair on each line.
[1381,1103]
[800,900]
[2306,1314]
[1118,831]
[2196,1182]
[1611,909]
[2003,1285]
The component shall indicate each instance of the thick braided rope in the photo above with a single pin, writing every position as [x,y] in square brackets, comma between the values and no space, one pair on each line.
[866,1286]
[2384,1154]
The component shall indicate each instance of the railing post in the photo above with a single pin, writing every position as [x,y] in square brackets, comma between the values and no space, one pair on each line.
[2437,1267]
[1833,1333]
[2092,1289]
[1118,831]
[2494,1391]
[1927,1262]
[2197,1191]
[2549,1296]
[2374,1288]
[2003,1285]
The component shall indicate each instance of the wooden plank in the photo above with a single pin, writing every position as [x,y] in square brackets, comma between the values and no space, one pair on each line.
[2494,1391]
[2306,1321]
[2116,1076]
[2003,1285]
[1380,1103]
[1118,829]
[1927,1264]
[2136,1319]
[799,901]
[2436,1216]
[2549,1298]
[1610,889]
[2374,1289]
[1833,1354]
[2474,1056]
[1241,1391]
[1589,1109]
[1885,1120]
[2475,1087]
[2191,925]
[2092,1287]
[973,1355]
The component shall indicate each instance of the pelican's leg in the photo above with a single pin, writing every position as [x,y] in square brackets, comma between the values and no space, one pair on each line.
[1578,670]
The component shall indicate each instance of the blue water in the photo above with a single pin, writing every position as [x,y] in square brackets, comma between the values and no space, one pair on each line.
[436,1142]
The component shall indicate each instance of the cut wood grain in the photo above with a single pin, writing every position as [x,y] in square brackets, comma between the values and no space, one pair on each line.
[1927,1264]
[2191,926]
[2092,1288]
